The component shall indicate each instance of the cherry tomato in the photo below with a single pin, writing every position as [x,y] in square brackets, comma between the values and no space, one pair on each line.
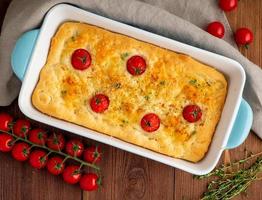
[228,5]
[5,121]
[74,147]
[21,127]
[81,59]
[6,142]
[136,65]
[90,182]
[150,122]
[216,29]
[92,154]
[38,136]
[244,36]
[99,103]
[38,159]
[55,165]
[56,141]
[72,174]
[21,151]
[192,113]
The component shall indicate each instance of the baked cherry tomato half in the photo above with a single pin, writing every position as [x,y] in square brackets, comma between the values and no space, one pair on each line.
[92,154]
[90,182]
[38,136]
[55,165]
[5,121]
[192,113]
[21,151]
[136,65]
[81,59]
[72,174]
[150,122]
[228,5]
[21,127]
[99,103]
[38,159]
[216,29]
[74,147]
[6,142]
[56,141]
[244,36]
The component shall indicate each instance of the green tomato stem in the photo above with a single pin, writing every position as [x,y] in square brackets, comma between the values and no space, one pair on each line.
[82,163]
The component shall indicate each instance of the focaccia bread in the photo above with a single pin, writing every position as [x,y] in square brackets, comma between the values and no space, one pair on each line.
[170,82]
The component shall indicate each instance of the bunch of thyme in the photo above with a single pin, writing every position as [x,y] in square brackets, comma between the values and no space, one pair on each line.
[232,180]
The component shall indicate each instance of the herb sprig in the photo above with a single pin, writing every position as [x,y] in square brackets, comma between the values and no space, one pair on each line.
[233,179]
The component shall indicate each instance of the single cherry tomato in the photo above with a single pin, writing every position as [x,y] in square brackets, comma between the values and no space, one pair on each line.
[21,127]
[6,142]
[90,182]
[21,151]
[55,165]
[74,147]
[216,29]
[5,121]
[192,113]
[244,36]
[56,141]
[92,154]
[228,5]
[136,65]
[38,159]
[38,136]
[99,103]
[81,59]
[150,122]
[72,174]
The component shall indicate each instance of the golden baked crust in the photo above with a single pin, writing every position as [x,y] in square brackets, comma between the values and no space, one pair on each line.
[171,82]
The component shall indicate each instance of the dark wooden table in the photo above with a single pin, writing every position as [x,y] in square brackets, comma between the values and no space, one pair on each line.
[127,176]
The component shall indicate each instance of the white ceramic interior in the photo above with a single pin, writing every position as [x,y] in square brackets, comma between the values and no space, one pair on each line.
[233,71]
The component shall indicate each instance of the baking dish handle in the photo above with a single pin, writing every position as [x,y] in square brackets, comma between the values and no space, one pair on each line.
[241,126]
[22,52]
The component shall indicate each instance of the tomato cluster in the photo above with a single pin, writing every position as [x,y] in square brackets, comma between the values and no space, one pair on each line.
[49,150]
[242,36]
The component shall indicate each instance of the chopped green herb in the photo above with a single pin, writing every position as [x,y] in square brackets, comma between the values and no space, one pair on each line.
[147,98]
[124,55]
[124,121]
[208,83]
[73,38]
[193,133]
[152,139]
[162,82]
[63,93]
[117,85]
[193,82]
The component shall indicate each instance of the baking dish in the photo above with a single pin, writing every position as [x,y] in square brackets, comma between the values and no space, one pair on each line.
[31,50]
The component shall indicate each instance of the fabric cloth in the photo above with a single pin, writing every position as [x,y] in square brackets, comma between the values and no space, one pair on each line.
[182,20]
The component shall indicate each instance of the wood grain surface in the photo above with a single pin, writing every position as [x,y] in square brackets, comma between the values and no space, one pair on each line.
[128,176]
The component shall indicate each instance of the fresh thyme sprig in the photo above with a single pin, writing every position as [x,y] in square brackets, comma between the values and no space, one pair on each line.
[230,182]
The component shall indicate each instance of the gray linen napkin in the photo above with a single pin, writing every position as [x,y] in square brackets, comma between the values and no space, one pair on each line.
[182,20]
